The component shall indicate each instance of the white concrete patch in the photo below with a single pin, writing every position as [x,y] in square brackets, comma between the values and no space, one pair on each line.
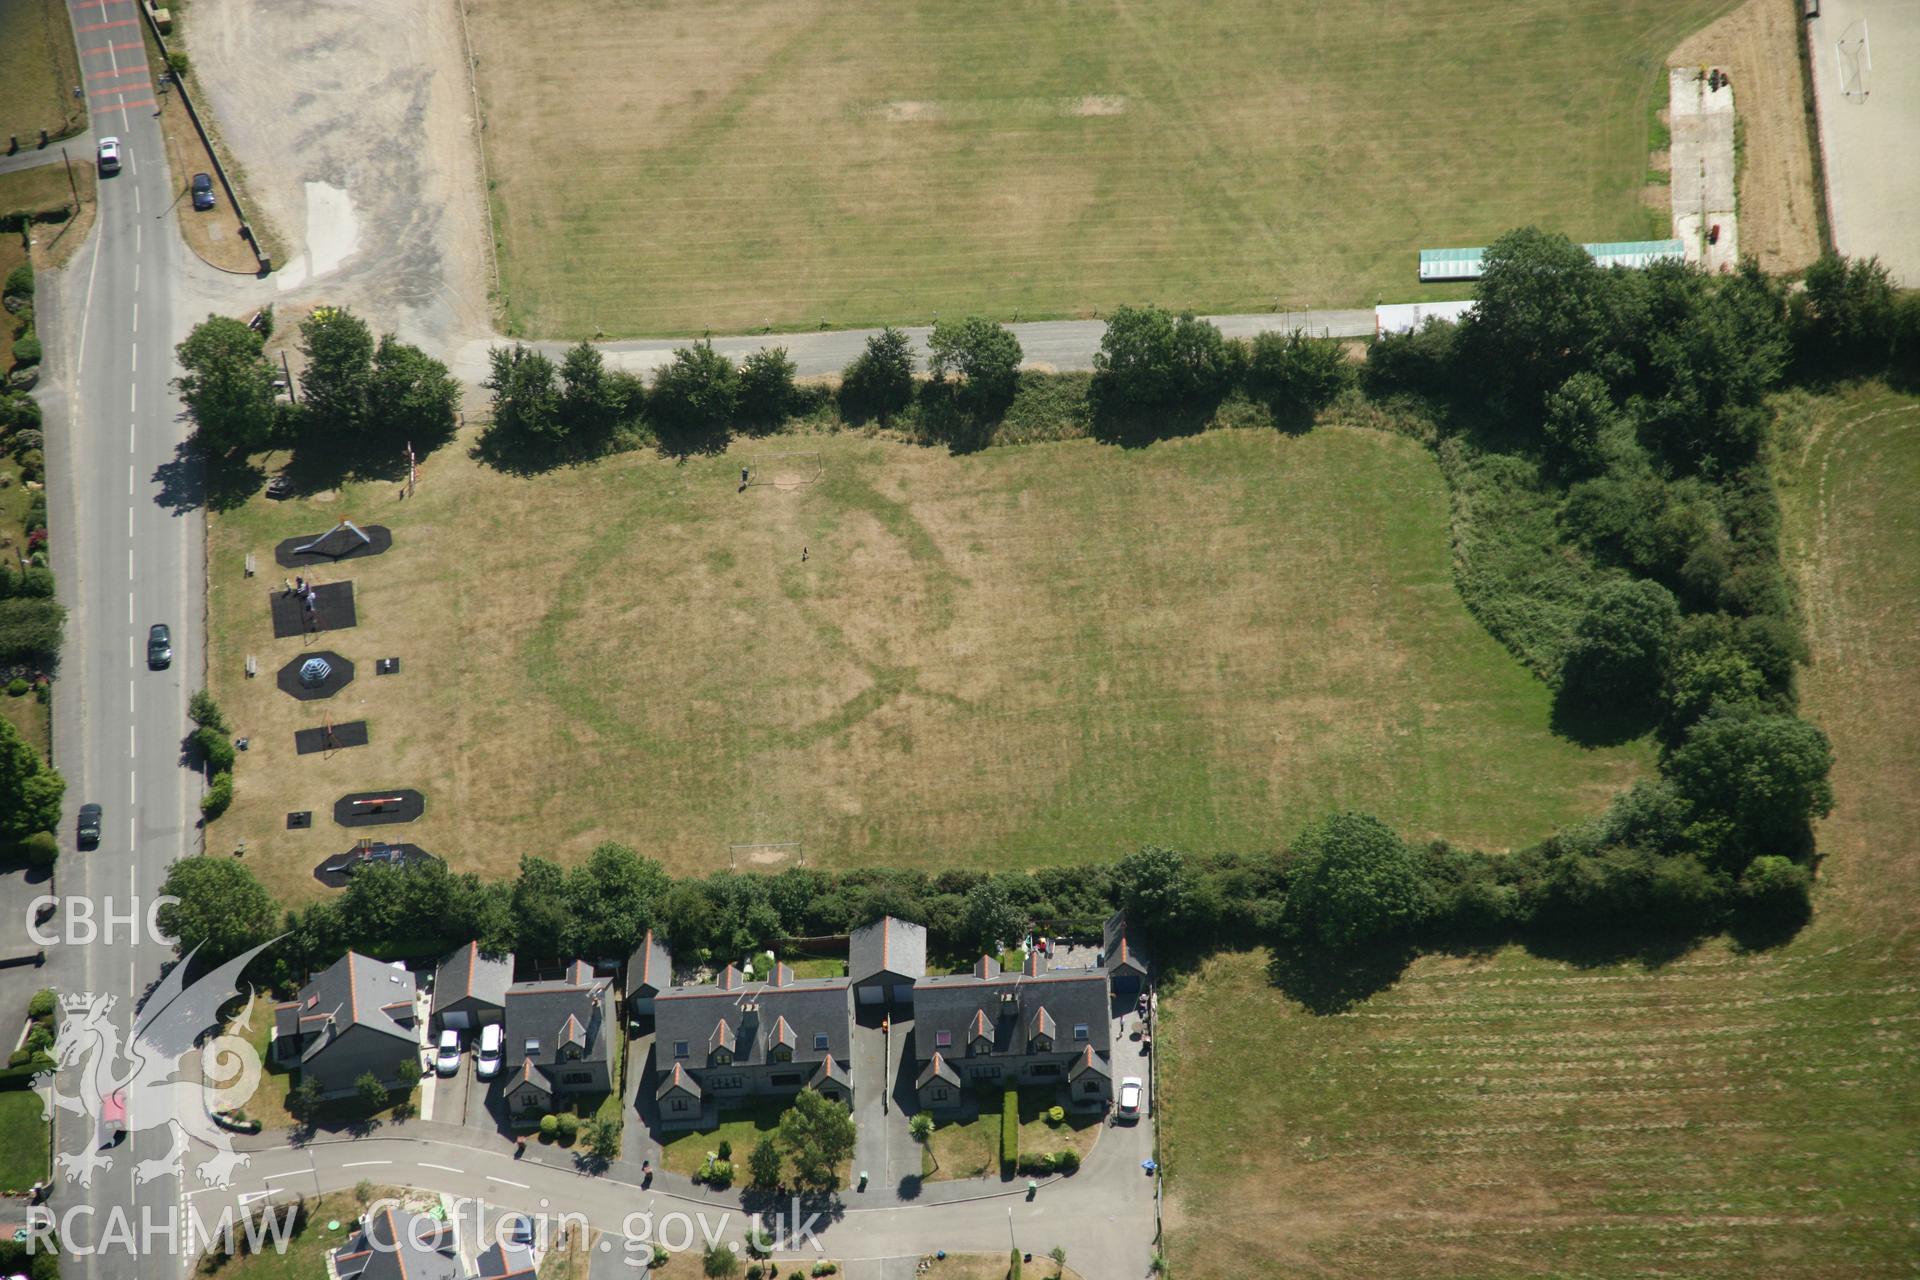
[1865,54]
[1700,118]
[333,234]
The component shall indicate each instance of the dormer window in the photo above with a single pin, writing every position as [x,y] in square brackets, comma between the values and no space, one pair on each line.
[820,1041]
[573,1053]
[722,1057]
[943,1039]
[782,1053]
[533,1048]
[1043,1044]
[1079,1031]
[679,1048]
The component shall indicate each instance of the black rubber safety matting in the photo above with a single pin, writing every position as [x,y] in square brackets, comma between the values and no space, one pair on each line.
[299,819]
[336,544]
[351,734]
[337,870]
[288,677]
[386,666]
[327,607]
[373,808]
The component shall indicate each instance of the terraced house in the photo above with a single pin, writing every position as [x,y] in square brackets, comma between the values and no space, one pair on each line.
[558,1039]
[990,1028]
[717,1044]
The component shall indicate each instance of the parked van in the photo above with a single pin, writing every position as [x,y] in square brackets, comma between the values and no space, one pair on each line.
[488,1059]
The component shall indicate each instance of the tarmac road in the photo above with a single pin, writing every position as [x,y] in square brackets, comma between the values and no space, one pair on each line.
[1061,345]
[127,546]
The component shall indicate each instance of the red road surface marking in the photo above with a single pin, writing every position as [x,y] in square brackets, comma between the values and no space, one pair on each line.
[102,26]
[139,70]
[129,106]
[111,48]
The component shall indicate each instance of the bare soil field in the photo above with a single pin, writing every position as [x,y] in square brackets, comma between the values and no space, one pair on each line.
[1757,44]
[1718,1113]
[672,166]
[1029,655]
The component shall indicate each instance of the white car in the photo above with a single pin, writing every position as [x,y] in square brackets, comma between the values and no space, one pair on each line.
[109,155]
[1130,1097]
[447,1061]
[487,1061]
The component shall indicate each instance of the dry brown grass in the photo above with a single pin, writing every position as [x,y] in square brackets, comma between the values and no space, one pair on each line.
[213,234]
[1724,1114]
[1028,655]
[729,163]
[1758,44]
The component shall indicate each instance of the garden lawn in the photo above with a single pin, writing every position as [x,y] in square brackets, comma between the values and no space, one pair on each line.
[1031,655]
[800,163]
[306,1253]
[23,1139]
[687,1152]
[1717,1113]
[269,1102]
[38,70]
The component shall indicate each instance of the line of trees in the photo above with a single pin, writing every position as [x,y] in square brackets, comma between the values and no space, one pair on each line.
[362,400]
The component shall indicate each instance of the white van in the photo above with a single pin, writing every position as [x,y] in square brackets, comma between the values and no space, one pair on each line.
[488,1059]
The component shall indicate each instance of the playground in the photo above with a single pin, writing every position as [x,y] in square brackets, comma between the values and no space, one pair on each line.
[880,654]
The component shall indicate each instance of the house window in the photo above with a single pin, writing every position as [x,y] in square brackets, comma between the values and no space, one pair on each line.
[533,1048]
[679,1104]
[573,1053]
[722,1057]
[577,1077]
[783,1054]
[1091,1086]
[1043,1043]
[1044,1069]
[940,1095]
[984,1072]
[943,1039]
[820,1040]
[679,1048]
[787,1080]
[1079,1031]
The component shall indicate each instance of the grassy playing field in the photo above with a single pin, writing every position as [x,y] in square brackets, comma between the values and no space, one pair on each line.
[1726,1114]
[38,70]
[1032,654]
[670,166]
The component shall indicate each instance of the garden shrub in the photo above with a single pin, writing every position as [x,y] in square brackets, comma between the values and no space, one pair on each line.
[42,1004]
[214,748]
[17,687]
[720,1174]
[1009,1131]
[1056,1115]
[26,350]
[1067,1161]
[218,797]
[40,850]
[567,1125]
[549,1126]
[19,281]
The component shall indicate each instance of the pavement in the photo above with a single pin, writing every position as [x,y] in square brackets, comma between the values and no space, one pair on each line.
[78,147]
[1059,345]
[1866,87]
[1701,123]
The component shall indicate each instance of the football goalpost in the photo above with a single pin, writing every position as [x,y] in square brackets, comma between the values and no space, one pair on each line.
[1853,58]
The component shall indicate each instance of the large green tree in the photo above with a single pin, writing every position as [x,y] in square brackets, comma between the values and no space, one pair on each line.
[1154,887]
[1294,375]
[991,918]
[1352,882]
[879,382]
[613,898]
[696,394]
[1620,645]
[818,1134]
[1540,310]
[526,400]
[985,356]
[222,909]
[767,392]
[227,386]
[1755,780]
[411,397]
[1151,361]
[30,790]
[338,348]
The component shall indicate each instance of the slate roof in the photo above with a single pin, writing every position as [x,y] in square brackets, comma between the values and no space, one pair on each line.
[754,1014]
[937,1068]
[1089,1061]
[501,1261]
[1119,948]
[391,1245]
[354,990]
[471,972]
[887,945]
[573,1009]
[678,1080]
[528,1073]
[959,1004]
[651,966]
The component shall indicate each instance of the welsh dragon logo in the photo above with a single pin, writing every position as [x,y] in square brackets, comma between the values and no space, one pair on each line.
[149,1085]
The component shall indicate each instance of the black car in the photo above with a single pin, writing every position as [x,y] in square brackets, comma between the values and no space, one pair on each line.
[89,827]
[202,191]
[159,646]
